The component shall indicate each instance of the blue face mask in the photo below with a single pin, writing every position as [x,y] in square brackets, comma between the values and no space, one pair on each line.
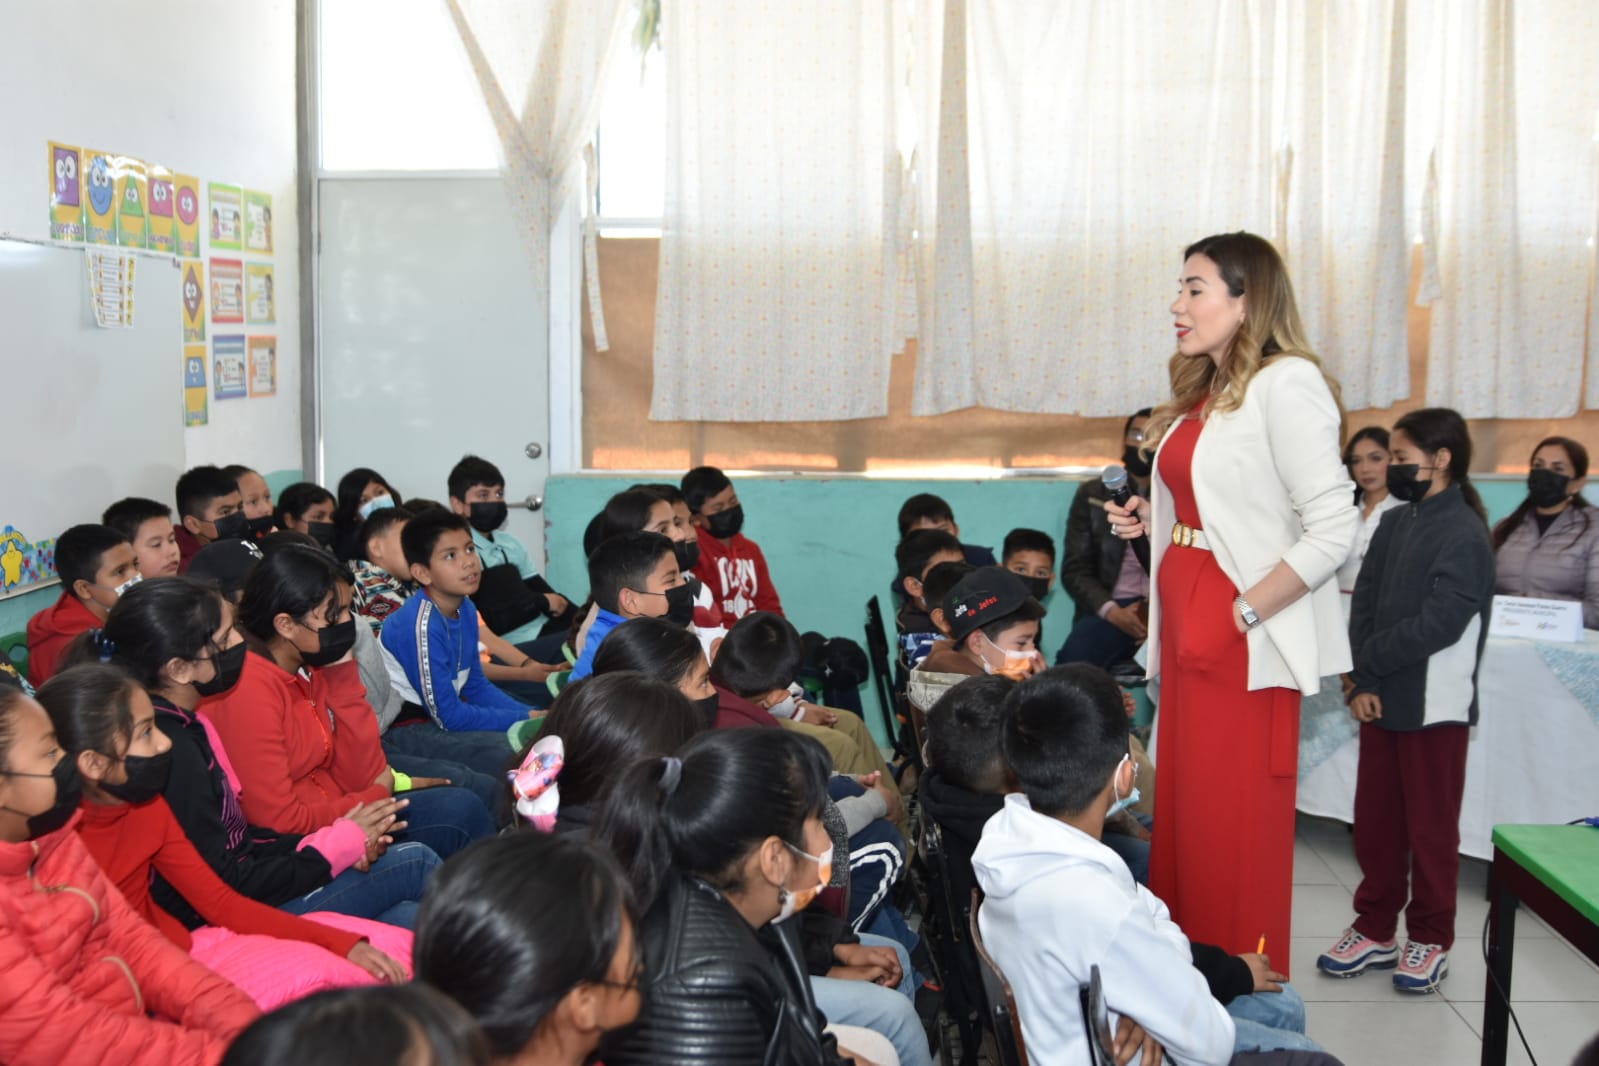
[1123,802]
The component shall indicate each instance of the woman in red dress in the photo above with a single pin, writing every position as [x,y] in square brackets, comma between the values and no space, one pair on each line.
[1249,518]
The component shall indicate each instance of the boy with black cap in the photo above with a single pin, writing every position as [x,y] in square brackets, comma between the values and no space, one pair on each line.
[993,622]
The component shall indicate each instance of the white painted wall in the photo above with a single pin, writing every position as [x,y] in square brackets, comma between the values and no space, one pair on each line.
[203,87]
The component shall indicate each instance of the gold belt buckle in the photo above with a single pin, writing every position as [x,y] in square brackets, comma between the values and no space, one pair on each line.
[1182,535]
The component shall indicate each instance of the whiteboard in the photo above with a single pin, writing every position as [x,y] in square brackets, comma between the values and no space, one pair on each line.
[91,415]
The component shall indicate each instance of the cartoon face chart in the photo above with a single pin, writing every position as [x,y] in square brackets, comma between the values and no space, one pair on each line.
[161,196]
[100,183]
[66,168]
[188,205]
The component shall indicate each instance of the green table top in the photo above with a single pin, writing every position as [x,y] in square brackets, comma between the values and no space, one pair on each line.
[1564,857]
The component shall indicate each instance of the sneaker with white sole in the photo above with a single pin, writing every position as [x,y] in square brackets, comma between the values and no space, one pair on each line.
[1423,967]
[1354,954]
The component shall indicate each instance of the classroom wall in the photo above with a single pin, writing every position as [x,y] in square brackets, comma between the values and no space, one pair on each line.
[830,540]
[204,88]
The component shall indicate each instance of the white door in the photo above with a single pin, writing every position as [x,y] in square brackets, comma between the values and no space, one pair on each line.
[433,342]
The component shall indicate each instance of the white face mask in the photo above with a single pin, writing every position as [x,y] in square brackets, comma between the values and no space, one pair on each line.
[377,503]
[1123,802]
[122,589]
[794,902]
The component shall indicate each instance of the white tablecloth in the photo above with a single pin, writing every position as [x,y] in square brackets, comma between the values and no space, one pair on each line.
[1533,757]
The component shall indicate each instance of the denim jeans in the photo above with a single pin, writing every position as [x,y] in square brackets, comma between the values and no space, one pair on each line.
[388,892]
[1271,1021]
[891,1012]
[445,819]
[1097,642]
[490,790]
[479,759]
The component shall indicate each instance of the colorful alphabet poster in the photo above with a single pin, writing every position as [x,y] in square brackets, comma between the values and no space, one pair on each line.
[24,563]
[186,192]
[257,222]
[100,202]
[260,303]
[66,193]
[159,232]
[194,304]
[133,194]
[263,366]
[227,216]
[229,374]
[227,291]
[195,412]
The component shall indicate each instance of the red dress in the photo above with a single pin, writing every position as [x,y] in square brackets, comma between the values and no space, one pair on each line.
[1226,766]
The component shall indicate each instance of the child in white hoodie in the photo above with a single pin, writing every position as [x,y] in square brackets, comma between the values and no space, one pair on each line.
[1058,901]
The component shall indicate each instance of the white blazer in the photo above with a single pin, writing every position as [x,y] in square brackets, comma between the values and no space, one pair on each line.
[1271,486]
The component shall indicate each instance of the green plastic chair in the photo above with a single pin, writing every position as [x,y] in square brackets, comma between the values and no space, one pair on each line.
[524,732]
[557,681]
[14,646]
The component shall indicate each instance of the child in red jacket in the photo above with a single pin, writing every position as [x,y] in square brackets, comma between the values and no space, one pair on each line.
[96,564]
[82,977]
[730,564]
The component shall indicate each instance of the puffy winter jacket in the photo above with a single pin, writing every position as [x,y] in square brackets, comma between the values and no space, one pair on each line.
[81,974]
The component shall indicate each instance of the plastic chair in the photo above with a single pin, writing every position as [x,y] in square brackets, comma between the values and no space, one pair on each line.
[882,673]
[944,928]
[1096,1021]
[557,681]
[1007,1024]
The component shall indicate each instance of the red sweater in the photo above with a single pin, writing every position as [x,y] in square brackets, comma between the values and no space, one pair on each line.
[305,746]
[129,840]
[736,574]
[81,974]
[51,630]
[735,712]
[188,546]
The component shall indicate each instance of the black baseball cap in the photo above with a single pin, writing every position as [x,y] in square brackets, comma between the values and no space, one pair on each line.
[227,564]
[986,595]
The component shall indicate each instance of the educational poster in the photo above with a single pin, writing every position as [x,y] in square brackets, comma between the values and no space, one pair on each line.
[194,304]
[66,193]
[227,218]
[186,193]
[227,291]
[228,372]
[159,233]
[133,194]
[257,222]
[24,563]
[263,366]
[195,412]
[260,305]
[111,287]
[100,205]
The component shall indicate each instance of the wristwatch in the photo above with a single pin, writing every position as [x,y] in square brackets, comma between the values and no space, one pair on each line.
[1251,619]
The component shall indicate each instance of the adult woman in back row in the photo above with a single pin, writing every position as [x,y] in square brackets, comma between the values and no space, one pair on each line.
[1548,548]
[1251,515]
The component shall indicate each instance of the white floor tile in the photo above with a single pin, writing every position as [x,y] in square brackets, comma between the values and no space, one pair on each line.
[1545,970]
[1555,1031]
[1419,1032]
[1322,911]
[1309,868]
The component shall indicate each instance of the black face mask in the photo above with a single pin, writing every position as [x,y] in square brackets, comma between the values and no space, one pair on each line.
[1402,483]
[1037,587]
[487,517]
[322,532]
[724,525]
[257,528]
[680,604]
[69,793]
[708,708]
[333,643]
[229,665]
[687,552]
[1135,461]
[147,778]
[1547,488]
[233,527]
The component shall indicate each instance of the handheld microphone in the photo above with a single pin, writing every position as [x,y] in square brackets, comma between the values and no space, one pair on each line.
[1120,490]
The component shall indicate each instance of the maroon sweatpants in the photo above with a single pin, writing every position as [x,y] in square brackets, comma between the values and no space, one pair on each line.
[1407,829]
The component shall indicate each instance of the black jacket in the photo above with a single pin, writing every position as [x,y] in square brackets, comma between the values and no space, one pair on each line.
[1093,558]
[717,991]
[262,864]
[1419,619]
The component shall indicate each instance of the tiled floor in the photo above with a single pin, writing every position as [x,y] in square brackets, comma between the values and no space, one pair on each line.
[1366,1023]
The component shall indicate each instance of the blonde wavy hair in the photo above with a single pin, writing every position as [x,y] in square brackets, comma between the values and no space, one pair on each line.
[1249,266]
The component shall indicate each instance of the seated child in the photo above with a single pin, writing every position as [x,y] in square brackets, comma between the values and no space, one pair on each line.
[382,576]
[431,647]
[148,527]
[633,575]
[361,493]
[1058,901]
[210,507]
[256,499]
[411,1024]
[155,1006]
[306,507]
[731,565]
[916,555]
[96,565]
[106,723]
[1030,555]
[993,627]
[511,595]
[926,511]
[936,587]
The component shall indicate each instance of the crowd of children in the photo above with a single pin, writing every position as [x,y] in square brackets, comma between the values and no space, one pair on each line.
[263,730]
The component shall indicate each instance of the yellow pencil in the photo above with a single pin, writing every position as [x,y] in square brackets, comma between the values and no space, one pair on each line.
[1260,949]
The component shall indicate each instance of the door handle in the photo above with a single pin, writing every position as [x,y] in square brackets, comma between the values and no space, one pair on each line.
[532,503]
[533,451]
